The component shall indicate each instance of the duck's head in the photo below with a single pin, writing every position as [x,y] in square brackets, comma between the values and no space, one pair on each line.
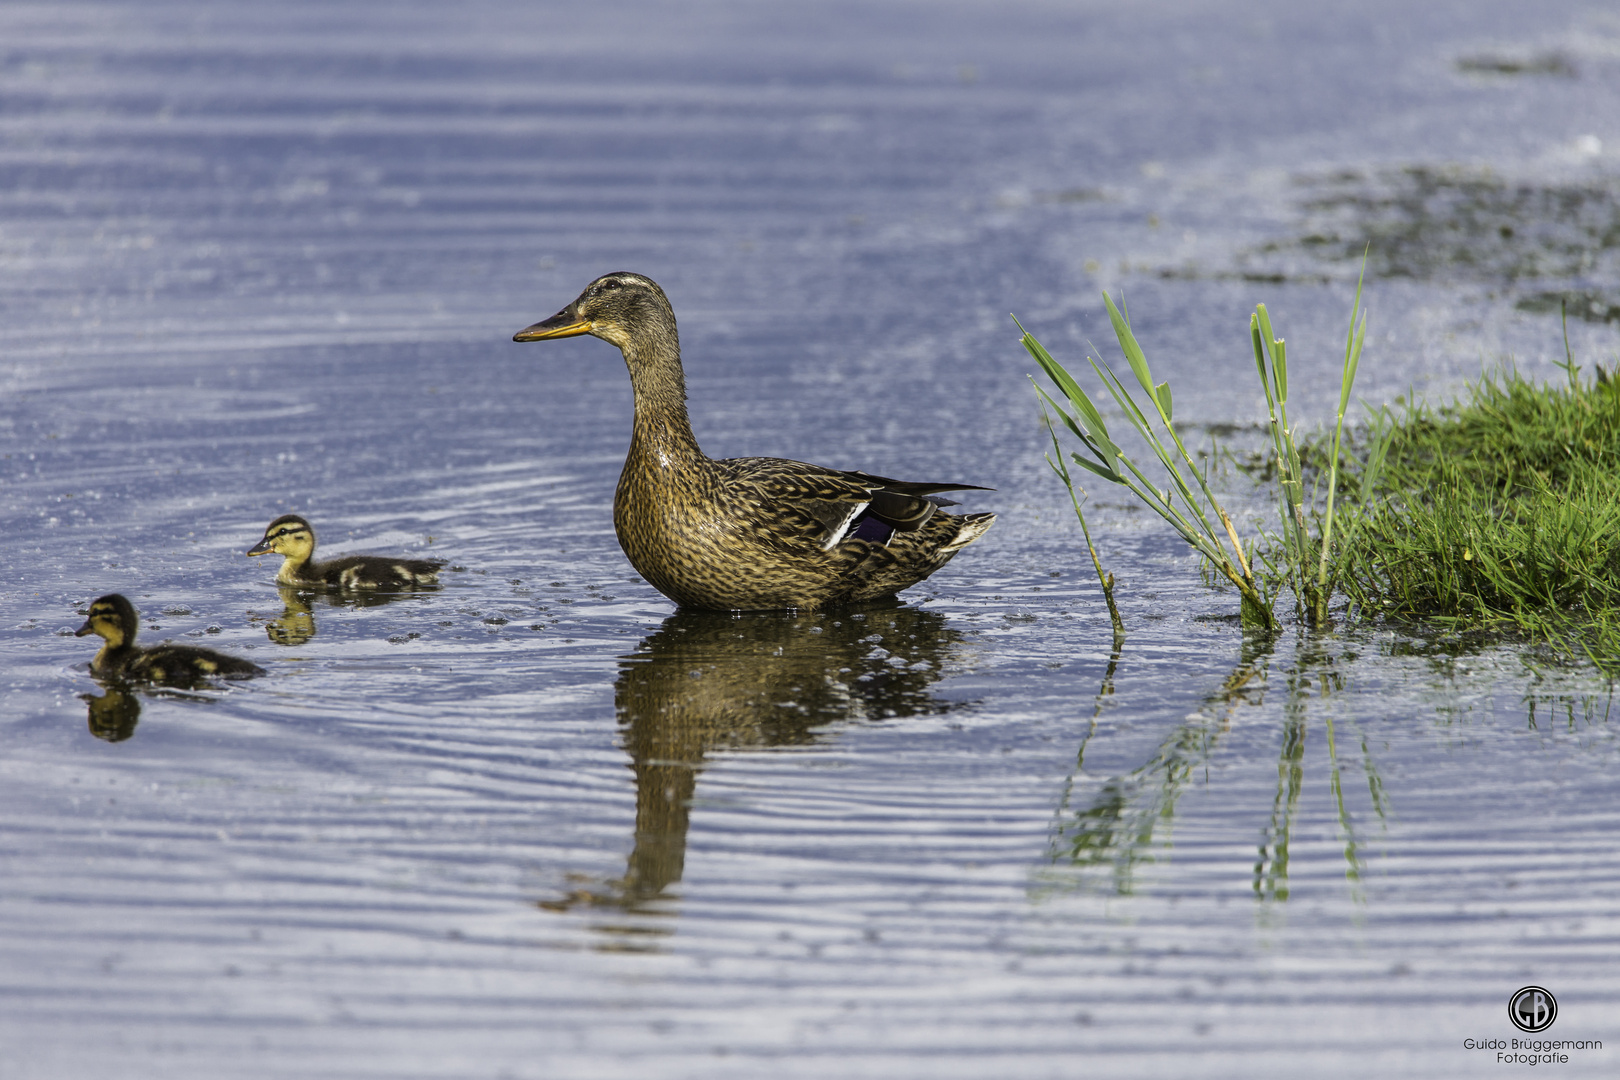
[619,308]
[288,535]
[112,618]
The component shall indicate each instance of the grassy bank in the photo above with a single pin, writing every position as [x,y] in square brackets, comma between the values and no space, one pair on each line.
[1500,512]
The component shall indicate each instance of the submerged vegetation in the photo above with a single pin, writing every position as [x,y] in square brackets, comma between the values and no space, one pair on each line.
[1500,513]
[1545,246]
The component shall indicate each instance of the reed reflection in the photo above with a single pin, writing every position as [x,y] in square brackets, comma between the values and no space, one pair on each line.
[1119,830]
[1574,714]
[1116,832]
[710,682]
[1313,676]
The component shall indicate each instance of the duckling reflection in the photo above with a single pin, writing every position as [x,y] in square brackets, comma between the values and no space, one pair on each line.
[296,623]
[114,714]
[714,681]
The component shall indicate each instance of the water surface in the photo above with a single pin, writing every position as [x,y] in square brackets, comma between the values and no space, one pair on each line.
[536,823]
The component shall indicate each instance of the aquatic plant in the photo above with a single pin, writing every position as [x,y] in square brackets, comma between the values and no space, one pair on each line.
[1296,551]
[1107,579]
[1192,519]
[1499,513]
[1307,564]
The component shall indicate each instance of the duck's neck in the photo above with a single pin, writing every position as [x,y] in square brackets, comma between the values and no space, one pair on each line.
[293,565]
[111,656]
[662,437]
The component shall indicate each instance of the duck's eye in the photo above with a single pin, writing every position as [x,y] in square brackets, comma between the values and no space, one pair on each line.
[611,284]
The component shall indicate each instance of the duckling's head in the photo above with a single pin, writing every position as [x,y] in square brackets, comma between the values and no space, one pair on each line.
[623,308]
[112,618]
[288,535]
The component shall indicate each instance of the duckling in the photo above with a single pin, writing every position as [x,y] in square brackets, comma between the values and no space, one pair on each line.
[291,536]
[747,533]
[113,618]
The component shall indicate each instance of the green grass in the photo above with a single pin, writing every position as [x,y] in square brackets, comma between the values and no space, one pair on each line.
[1500,512]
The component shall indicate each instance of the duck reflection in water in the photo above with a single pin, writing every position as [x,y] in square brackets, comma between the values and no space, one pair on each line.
[716,681]
[114,714]
[296,623]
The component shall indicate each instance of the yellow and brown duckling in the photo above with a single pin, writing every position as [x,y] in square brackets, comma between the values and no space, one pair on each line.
[292,537]
[113,619]
[747,533]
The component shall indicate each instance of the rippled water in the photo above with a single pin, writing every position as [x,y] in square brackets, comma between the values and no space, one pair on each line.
[266,258]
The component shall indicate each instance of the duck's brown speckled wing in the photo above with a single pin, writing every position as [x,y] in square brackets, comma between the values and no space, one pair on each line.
[835,501]
[906,505]
[836,536]
[802,505]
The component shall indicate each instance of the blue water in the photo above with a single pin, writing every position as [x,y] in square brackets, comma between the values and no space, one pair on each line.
[260,258]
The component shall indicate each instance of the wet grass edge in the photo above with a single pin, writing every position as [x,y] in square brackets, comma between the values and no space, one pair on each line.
[1498,514]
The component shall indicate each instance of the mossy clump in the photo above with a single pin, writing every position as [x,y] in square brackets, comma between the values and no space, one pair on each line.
[1500,512]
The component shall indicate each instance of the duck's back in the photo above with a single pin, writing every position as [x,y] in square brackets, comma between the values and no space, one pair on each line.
[185,664]
[767,533]
[371,572]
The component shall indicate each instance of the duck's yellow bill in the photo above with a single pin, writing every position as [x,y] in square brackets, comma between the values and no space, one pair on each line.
[551,328]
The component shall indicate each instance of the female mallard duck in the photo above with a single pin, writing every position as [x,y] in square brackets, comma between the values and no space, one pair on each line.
[113,618]
[747,533]
[292,537]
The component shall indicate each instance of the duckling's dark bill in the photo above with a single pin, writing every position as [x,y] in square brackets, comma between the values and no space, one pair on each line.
[555,327]
[83,630]
[261,548]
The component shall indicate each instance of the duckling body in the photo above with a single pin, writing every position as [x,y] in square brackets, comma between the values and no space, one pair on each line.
[747,533]
[293,538]
[113,619]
